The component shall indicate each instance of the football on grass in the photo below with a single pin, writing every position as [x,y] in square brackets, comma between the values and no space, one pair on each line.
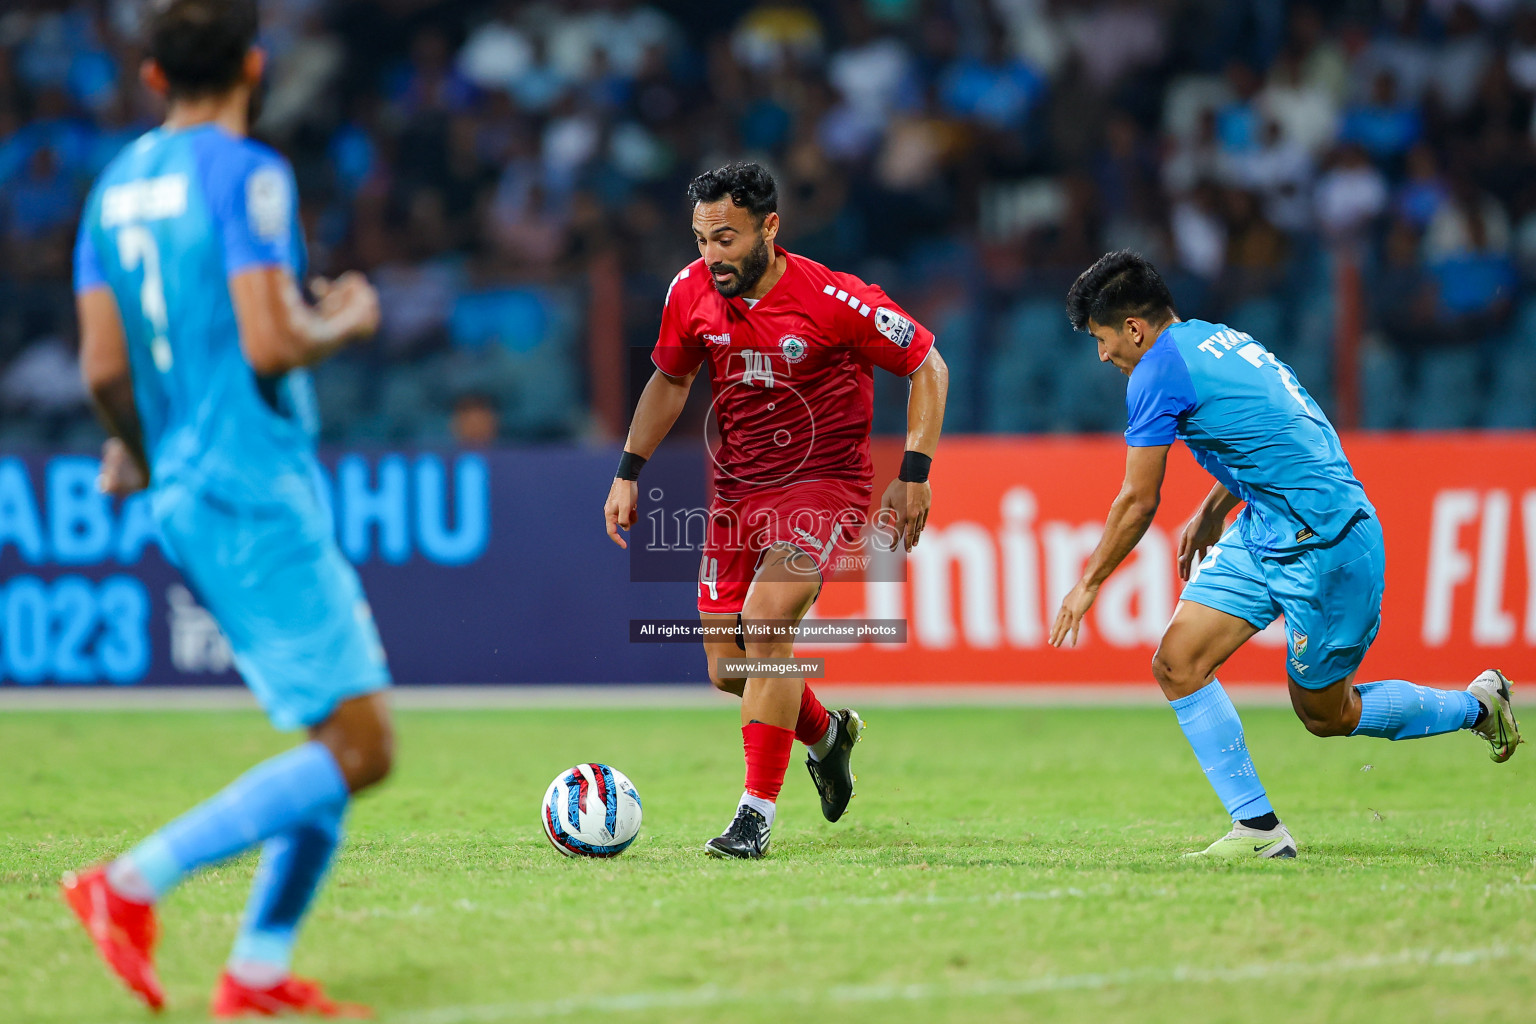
[591,810]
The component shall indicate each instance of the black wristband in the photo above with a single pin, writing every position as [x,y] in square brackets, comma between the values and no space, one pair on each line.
[630,465]
[914,467]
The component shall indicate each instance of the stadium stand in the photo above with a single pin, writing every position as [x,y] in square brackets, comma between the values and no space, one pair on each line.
[478,158]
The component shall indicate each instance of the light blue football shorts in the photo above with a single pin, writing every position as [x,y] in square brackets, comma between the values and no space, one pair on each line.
[288,601]
[1330,596]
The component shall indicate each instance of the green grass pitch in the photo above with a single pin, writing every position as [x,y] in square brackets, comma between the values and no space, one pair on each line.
[1011,864]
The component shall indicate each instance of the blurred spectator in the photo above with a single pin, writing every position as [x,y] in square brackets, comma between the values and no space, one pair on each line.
[775,35]
[998,90]
[1238,121]
[417,285]
[1384,126]
[530,230]
[1305,111]
[1115,38]
[1200,233]
[1350,194]
[1280,171]
[1126,170]
[1256,249]
[1470,223]
[873,74]
[1195,158]
[300,76]
[1405,296]
[43,383]
[44,199]
[1459,60]
[1422,193]
[499,52]
[428,82]
[615,36]
[1522,50]
[476,420]
[1467,250]
[1324,63]
[1400,50]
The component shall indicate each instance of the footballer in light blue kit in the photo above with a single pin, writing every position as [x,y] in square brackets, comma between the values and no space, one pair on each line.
[1306,545]
[194,340]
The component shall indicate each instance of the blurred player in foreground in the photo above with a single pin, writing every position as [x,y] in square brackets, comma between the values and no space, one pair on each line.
[791,348]
[1307,545]
[193,340]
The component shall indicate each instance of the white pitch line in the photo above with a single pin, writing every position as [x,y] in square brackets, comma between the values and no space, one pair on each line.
[714,996]
[521,911]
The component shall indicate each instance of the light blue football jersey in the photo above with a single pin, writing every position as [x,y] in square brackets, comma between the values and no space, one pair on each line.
[1253,427]
[171,219]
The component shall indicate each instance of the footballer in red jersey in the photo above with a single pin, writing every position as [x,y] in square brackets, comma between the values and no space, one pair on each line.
[791,348]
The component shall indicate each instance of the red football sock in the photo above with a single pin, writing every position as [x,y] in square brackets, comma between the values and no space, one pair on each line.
[768,748]
[814,721]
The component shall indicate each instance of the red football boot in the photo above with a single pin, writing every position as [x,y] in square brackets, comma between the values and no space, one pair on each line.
[124,931]
[291,995]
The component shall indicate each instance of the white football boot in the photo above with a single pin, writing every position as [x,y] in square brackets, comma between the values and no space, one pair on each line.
[1243,841]
[1493,691]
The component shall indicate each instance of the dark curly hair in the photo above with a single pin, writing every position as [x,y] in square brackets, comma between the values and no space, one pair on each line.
[1119,285]
[200,44]
[749,185]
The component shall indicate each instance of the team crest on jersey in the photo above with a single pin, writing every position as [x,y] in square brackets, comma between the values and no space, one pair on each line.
[897,329]
[793,348]
[1299,643]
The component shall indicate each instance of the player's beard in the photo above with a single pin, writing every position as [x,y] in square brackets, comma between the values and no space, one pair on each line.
[745,277]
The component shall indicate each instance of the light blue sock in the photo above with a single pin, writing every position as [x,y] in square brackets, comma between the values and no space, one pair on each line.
[1215,734]
[270,799]
[293,863]
[1399,710]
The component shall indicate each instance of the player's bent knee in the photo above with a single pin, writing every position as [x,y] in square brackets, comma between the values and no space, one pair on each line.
[369,766]
[773,609]
[1176,676]
[725,684]
[769,627]
[1326,726]
[361,737]
[1325,712]
[770,648]
[1324,723]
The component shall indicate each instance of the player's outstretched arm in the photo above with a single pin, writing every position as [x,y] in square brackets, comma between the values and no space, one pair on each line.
[1205,527]
[1129,517]
[109,378]
[909,496]
[279,331]
[661,403]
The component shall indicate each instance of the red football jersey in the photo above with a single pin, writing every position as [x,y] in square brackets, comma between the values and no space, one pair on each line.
[792,374]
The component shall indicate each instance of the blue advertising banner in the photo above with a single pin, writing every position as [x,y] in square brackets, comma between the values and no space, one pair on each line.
[481,567]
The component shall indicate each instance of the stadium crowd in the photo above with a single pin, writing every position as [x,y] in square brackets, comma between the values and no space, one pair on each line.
[478,159]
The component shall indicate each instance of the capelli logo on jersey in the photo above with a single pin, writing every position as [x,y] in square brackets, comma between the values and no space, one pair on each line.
[719,339]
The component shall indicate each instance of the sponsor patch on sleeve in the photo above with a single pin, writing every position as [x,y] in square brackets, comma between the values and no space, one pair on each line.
[268,203]
[898,330]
